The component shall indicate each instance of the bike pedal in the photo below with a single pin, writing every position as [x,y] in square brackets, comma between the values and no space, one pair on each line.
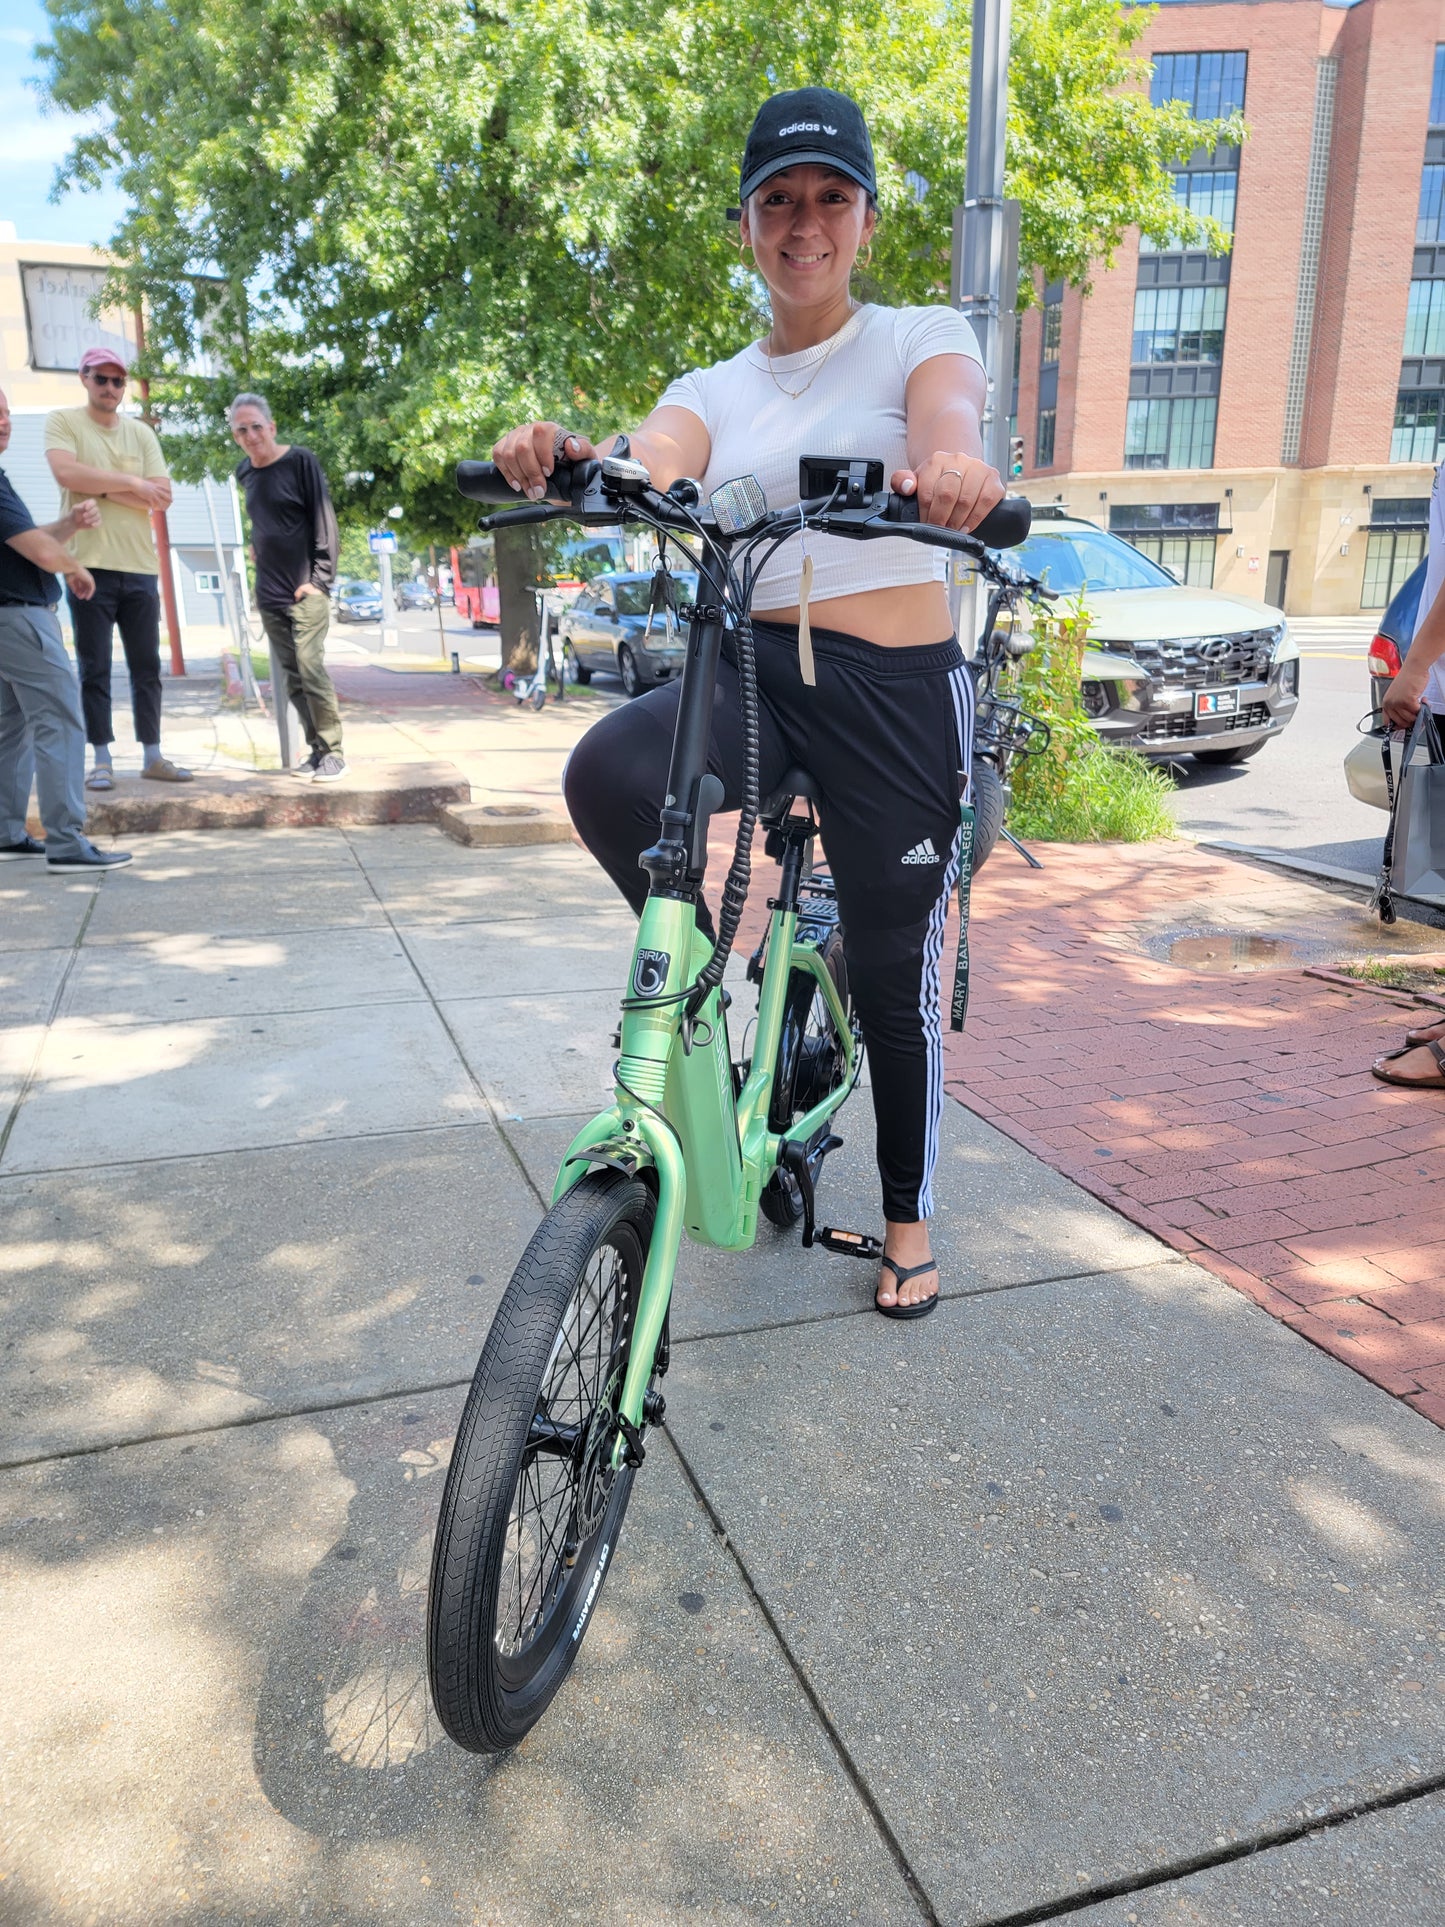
[849,1244]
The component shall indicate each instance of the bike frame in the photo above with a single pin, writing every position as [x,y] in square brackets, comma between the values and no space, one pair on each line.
[708,1151]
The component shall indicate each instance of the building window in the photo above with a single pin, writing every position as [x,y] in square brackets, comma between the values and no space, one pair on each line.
[1044,445]
[1430,223]
[1212,85]
[1208,191]
[1178,324]
[1180,536]
[1177,432]
[1425,319]
[1437,90]
[1419,426]
[1053,330]
[1390,556]
[208,581]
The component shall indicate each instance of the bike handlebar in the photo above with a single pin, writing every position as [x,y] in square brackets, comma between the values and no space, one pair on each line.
[571,484]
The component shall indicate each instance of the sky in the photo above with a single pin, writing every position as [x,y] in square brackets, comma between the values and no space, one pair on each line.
[32,144]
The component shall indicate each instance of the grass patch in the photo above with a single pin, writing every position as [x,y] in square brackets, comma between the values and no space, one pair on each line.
[1080,790]
[1392,975]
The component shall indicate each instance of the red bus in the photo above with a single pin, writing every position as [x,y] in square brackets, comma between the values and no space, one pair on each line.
[473,595]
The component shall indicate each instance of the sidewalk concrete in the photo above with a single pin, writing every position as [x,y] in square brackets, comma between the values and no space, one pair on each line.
[421,744]
[1098,1575]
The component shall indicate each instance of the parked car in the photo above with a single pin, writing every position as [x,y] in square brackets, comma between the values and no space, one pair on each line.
[606,628]
[1391,642]
[357,602]
[1389,646]
[415,594]
[1170,669]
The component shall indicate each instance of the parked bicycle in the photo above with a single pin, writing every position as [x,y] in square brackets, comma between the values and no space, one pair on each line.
[569,1380]
[1003,728]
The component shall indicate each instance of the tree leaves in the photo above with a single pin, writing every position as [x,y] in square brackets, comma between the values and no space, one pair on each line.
[412,223]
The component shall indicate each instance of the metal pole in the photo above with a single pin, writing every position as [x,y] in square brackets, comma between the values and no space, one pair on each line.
[389,637]
[984,280]
[436,583]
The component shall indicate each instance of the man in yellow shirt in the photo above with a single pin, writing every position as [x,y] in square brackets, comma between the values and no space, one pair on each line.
[97,451]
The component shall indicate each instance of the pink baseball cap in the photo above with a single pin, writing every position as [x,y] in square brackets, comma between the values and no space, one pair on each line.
[101,358]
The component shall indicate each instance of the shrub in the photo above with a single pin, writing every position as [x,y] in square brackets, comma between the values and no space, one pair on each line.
[1080,790]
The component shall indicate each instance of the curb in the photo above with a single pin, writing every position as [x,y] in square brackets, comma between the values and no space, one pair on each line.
[245,799]
[504,825]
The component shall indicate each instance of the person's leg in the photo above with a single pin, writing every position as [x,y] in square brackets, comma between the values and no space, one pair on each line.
[310,622]
[891,745]
[616,777]
[93,626]
[17,765]
[138,617]
[37,673]
[280,627]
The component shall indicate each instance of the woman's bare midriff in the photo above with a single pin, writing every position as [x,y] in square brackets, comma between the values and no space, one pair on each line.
[901,618]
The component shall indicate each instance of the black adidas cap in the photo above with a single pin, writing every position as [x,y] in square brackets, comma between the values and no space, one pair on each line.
[811,124]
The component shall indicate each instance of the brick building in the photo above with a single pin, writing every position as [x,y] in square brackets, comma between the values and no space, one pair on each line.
[1268,420]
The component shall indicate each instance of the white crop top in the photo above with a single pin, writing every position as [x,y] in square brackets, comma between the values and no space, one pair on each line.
[853,408]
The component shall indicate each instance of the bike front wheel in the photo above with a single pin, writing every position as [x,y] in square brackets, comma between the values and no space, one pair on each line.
[533,1503]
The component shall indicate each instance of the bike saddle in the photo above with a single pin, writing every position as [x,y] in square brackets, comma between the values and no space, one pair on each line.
[797,786]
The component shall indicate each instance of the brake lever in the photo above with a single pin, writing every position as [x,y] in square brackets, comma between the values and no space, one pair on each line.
[516,518]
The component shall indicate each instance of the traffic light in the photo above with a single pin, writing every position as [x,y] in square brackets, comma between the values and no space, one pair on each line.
[1016,455]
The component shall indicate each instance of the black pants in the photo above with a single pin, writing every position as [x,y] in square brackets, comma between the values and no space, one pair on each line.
[132,603]
[887,734]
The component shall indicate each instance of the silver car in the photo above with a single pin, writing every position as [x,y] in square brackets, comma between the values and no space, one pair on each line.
[1170,669]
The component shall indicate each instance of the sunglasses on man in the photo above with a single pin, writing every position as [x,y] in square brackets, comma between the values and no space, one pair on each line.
[108,381]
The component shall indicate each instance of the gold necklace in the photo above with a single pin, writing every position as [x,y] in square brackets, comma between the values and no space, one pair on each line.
[796,394]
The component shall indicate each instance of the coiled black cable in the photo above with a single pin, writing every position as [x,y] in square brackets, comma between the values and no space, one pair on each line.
[740,871]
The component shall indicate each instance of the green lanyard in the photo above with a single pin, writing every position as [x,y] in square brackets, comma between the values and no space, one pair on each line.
[965,885]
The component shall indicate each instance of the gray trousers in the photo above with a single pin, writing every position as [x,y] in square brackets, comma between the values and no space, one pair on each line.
[41,734]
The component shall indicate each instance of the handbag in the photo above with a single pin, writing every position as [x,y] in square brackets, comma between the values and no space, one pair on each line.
[1414,859]
[1365,767]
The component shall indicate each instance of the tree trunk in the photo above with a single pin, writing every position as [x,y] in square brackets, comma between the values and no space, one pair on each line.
[519,574]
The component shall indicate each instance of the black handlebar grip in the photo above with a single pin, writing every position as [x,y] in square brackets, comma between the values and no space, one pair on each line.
[1006,524]
[485,482]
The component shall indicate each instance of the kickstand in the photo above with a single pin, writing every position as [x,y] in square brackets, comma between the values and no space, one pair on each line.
[1027,854]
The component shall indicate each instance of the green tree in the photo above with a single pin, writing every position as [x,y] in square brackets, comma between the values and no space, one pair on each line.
[412,223]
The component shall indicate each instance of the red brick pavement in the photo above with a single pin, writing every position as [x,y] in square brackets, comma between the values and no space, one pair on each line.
[1232,1116]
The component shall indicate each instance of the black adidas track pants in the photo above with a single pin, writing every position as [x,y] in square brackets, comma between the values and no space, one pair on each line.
[887,735]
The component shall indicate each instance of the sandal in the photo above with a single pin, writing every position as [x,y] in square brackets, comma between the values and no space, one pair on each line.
[921,1307]
[1435,1083]
[100,778]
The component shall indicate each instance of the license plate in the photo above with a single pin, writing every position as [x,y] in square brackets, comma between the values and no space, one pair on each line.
[1216,702]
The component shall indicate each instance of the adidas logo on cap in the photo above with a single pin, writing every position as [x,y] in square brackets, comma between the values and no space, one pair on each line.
[923,852]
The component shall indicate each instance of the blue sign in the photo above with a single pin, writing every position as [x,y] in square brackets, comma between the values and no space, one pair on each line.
[383,542]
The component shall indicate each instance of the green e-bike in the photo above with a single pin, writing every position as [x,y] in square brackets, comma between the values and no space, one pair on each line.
[569,1378]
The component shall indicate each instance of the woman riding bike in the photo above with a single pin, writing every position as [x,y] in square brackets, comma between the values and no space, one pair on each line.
[877,704]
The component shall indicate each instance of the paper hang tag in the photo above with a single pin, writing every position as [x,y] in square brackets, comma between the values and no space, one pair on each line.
[805,633]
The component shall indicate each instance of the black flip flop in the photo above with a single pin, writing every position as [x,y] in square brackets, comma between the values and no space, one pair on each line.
[921,1307]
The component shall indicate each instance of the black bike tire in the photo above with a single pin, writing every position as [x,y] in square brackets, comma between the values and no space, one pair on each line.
[781,1203]
[479,1710]
[988,812]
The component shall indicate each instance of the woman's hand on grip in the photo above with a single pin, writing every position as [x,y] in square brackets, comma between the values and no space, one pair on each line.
[527,455]
[954,491]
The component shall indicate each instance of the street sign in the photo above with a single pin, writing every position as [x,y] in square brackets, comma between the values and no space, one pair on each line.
[383,542]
